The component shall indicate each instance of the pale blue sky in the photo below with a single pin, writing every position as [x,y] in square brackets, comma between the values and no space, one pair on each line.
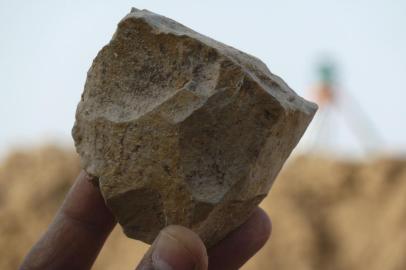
[47,47]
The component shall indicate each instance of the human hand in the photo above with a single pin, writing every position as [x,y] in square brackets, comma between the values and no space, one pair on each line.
[83,223]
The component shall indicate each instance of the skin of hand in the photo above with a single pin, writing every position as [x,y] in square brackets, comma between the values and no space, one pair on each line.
[83,223]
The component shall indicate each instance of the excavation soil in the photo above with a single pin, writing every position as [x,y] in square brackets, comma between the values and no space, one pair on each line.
[327,213]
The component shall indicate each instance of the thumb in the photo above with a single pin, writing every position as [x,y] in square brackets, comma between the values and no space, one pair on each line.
[175,248]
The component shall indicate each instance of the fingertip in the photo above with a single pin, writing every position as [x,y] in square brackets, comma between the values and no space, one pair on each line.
[176,247]
[240,245]
[190,241]
[263,225]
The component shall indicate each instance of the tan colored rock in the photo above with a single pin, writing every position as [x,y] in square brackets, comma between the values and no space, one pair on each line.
[182,129]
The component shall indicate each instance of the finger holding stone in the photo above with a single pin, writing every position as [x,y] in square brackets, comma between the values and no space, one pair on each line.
[77,233]
[176,248]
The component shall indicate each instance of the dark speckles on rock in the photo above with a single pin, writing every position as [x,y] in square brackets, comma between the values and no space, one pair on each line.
[167,169]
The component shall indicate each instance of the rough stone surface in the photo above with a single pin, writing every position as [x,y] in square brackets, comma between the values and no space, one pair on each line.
[182,129]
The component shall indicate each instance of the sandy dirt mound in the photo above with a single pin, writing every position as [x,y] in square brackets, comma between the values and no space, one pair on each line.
[327,214]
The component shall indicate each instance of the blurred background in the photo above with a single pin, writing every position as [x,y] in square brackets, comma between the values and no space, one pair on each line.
[340,201]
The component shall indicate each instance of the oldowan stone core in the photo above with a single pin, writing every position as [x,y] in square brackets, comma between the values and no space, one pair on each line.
[181,129]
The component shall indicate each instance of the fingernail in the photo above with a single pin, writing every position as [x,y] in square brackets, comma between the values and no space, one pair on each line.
[171,254]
